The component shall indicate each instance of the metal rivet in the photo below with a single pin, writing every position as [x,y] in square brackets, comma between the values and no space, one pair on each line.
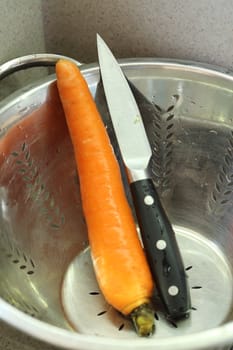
[173,290]
[161,244]
[148,200]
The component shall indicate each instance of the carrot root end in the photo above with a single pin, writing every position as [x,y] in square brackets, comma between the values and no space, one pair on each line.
[143,320]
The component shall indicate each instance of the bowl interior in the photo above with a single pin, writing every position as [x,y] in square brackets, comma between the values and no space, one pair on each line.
[46,269]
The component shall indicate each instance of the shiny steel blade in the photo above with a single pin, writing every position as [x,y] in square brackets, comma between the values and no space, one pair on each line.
[125,115]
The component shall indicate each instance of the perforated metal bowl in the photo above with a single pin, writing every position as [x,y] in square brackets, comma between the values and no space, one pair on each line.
[47,285]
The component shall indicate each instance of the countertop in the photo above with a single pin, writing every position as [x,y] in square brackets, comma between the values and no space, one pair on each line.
[10,339]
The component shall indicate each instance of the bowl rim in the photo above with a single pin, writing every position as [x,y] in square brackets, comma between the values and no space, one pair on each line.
[72,340]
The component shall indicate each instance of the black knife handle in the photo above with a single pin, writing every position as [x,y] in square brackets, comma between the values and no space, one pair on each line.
[161,249]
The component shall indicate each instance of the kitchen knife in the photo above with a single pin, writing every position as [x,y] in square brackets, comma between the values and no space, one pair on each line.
[158,237]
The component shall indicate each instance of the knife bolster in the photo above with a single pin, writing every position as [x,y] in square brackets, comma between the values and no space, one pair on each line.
[137,174]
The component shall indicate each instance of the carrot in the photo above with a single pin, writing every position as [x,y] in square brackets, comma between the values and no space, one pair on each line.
[119,262]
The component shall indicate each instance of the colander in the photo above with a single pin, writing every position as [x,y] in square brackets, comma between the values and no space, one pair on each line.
[47,286]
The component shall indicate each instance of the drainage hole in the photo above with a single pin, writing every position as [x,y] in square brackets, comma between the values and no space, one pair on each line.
[16,261]
[173,324]
[170,108]
[32,263]
[170,117]
[22,267]
[121,327]
[101,313]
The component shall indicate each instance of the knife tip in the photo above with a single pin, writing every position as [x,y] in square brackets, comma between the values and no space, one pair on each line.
[98,38]
[101,45]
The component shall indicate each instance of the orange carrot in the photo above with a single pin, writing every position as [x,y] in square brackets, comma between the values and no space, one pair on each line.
[118,258]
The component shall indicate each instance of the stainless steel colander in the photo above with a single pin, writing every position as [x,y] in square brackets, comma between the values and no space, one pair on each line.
[47,285]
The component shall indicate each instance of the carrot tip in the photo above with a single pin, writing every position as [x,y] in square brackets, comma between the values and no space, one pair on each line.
[143,320]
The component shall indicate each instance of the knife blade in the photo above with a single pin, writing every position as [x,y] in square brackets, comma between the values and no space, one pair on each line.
[157,234]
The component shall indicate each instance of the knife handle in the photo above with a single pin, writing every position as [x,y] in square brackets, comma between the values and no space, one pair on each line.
[161,249]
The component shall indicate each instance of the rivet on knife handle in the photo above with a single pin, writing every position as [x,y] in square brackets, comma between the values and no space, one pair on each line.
[161,249]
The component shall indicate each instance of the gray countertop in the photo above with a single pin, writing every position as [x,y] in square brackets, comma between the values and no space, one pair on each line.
[10,339]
